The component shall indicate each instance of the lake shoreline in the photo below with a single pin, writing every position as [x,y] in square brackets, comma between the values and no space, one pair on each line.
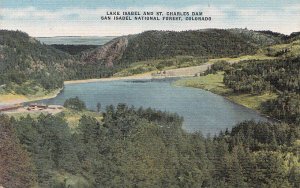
[12,99]
[161,95]
[255,110]
[227,97]
[144,76]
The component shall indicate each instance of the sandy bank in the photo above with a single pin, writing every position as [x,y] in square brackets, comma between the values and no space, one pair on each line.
[179,72]
[137,76]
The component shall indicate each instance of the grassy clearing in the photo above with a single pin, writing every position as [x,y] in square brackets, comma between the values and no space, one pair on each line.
[8,98]
[292,49]
[214,83]
[72,116]
[182,62]
[12,98]
[211,82]
[251,101]
[161,64]
[44,95]
[64,179]
[232,60]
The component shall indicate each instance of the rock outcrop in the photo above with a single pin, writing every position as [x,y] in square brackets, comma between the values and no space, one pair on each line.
[108,54]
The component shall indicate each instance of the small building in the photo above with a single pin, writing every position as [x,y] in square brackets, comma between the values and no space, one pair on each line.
[36,105]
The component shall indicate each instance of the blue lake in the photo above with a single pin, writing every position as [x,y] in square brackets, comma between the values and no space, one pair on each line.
[202,110]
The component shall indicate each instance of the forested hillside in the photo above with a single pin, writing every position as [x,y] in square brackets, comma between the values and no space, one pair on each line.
[294,36]
[209,43]
[145,148]
[279,76]
[27,66]
[73,49]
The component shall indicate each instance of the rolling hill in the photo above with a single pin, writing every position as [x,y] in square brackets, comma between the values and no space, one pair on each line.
[209,43]
[28,66]
[26,62]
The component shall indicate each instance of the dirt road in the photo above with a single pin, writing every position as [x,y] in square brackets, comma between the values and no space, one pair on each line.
[184,72]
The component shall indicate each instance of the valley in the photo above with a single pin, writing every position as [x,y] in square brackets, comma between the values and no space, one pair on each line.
[147,110]
[177,66]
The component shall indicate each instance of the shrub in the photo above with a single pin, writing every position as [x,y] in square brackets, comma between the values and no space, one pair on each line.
[75,104]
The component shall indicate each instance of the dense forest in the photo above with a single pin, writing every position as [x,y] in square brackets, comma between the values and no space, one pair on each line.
[73,49]
[144,148]
[261,76]
[27,66]
[210,43]
[277,76]
[26,63]
[280,76]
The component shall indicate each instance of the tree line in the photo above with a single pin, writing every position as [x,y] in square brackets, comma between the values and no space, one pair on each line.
[266,76]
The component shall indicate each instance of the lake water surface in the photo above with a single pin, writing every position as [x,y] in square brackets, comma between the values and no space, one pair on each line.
[202,111]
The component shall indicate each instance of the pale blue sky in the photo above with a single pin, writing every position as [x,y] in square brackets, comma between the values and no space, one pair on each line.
[58,4]
[75,17]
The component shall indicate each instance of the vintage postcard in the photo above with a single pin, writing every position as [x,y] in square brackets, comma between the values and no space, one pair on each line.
[149,93]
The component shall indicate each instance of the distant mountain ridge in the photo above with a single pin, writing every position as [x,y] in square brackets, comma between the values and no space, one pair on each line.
[75,40]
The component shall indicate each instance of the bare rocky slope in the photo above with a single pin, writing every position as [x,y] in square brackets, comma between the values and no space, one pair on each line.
[108,53]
